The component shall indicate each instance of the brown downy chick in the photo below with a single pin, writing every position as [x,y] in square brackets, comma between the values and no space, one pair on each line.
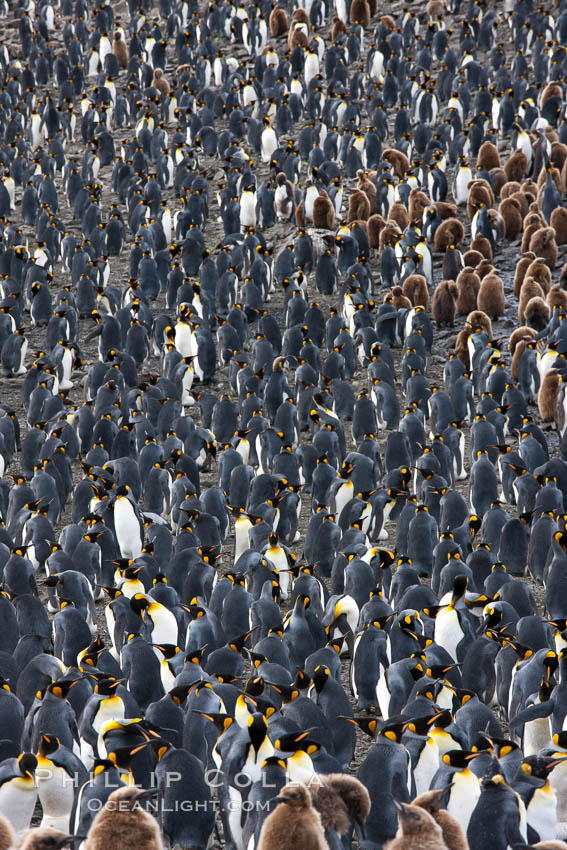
[453,833]
[294,823]
[7,834]
[160,83]
[341,800]
[45,838]
[120,50]
[417,830]
[122,822]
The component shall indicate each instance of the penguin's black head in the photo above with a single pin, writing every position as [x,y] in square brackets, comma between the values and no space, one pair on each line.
[257,729]
[320,677]
[139,603]
[48,744]
[459,587]
[27,763]
[107,687]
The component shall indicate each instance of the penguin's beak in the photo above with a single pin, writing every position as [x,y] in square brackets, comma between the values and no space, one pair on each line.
[147,795]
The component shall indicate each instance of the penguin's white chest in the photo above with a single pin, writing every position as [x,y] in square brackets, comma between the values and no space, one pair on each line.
[127,529]
[17,802]
[448,631]
[269,143]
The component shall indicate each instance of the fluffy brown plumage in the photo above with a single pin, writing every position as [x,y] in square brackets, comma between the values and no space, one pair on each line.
[519,349]
[375,226]
[297,36]
[480,192]
[160,83]
[445,209]
[449,232]
[366,185]
[511,212]
[516,166]
[521,333]
[120,50]
[481,243]
[461,346]
[414,287]
[323,211]
[339,28]
[418,201]
[540,272]
[417,830]
[532,223]
[453,833]
[484,267]
[389,234]
[547,394]
[556,297]
[294,823]
[278,22]
[543,244]
[358,206]
[435,8]
[520,272]
[537,313]
[7,835]
[399,300]
[360,13]
[491,297]
[472,258]
[498,180]
[122,822]
[340,800]
[468,284]
[558,220]
[509,189]
[300,16]
[477,320]
[523,201]
[487,157]
[558,156]
[398,161]
[399,214]
[41,838]
[530,289]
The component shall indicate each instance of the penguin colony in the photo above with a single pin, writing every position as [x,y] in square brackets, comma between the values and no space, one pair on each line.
[246,518]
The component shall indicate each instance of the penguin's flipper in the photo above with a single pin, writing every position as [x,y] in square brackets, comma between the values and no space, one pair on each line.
[532,712]
[94,333]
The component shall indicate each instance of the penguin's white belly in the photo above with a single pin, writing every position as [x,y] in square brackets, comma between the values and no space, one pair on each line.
[56,795]
[448,633]
[127,530]
[463,801]
[383,696]
[536,735]
[426,767]
[279,560]
[183,341]
[165,628]
[542,813]
[558,781]
[17,802]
